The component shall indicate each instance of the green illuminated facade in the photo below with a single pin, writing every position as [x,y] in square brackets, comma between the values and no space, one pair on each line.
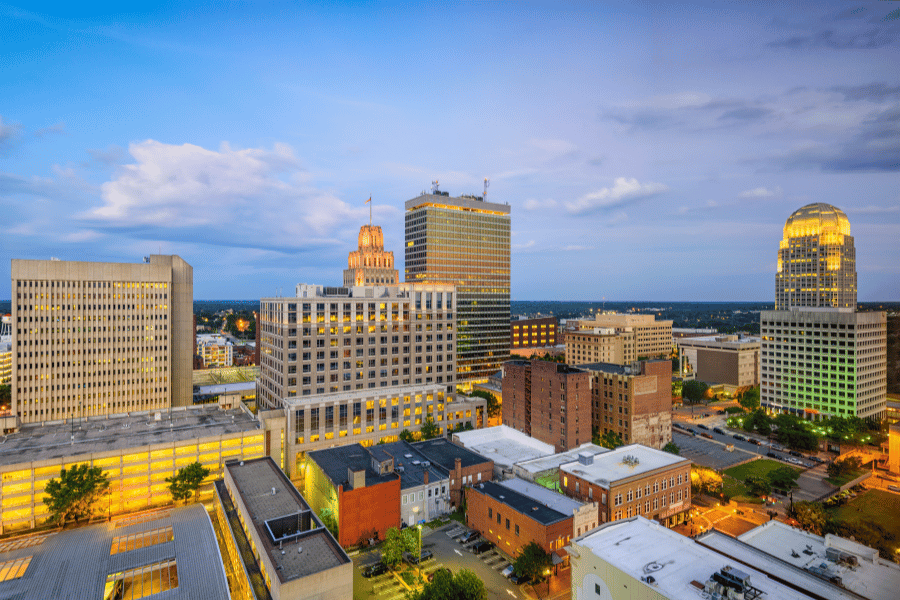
[465,241]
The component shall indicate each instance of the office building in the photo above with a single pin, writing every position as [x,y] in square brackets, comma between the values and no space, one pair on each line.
[136,452]
[5,349]
[170,552]
[732,360]
[633,401]
[539,332]
[819,356]
[548,401]
[816,260]
[640,560]
[513,513]
[261,514]
[652,338]
[465,242]
[614,345]
[631,480]
[94,339]
[370,265]
[328,340]
[216,350]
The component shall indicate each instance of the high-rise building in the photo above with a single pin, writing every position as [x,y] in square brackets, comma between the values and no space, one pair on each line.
[93,339]
[370,265]
[465,242]
[549,401]
[819,357]
[816,260]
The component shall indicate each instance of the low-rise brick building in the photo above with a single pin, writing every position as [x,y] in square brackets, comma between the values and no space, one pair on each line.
[464,466]
[631,480]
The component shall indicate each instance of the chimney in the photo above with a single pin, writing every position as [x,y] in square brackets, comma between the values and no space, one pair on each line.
[426,476]
[459,466]
[357,479]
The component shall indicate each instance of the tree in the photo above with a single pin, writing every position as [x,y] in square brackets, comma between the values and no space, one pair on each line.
[811,516]
[759,421]
[758,486]
[407,436]
[842,467]
[750,399]
[329,520]
[74,494]
[532,562]
[462,426]
[610,440]
[5,395]
[705,481]
[186,481]
[429,429]
[464,585]
[672,448]
[694,391]
[493,405]
[396,542]
[783,478]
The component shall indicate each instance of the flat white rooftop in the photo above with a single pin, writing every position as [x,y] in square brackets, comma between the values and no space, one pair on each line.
[503,445]
[872,578]
[622,463]
[228,388]
[547,463]
[554,500]
[639,547]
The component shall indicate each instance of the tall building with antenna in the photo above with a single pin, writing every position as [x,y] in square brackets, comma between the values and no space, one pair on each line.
[465,241]
[370,264]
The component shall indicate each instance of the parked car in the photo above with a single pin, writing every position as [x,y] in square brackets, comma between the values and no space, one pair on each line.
[893,488]
[702,426]
[692,431]
[753,441]
[519,579]
[719,430]
[795,453]
[771,454]
[438,570]
[469,536]
[378,568]
[482,546]
[414,560]
[739,437]
[507,571]
[707,435]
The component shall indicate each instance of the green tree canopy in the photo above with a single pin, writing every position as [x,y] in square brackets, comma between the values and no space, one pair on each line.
[759,421]
[464,585]
[784,478]
[75,493]
[532,562]
[750,399]
[609,440]
[811,516]
[694,391]
[5,394]
[186,481]
[429,429]
[672,448]
[758,486]
[842,467]
[397,542]
[407,436]
[493,405]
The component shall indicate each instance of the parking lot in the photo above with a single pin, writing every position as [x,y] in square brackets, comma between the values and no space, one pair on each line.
[448,552]
[709,453]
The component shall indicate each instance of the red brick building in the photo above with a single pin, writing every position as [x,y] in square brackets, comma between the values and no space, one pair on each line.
[549,401]
[531,333]
[465,467]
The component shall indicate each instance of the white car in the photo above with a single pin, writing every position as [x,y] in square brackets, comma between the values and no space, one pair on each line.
[507,571]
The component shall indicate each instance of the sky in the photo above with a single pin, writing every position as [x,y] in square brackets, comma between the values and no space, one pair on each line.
[647,151]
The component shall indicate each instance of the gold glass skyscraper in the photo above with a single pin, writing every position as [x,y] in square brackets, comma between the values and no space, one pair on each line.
[465,241]
[816,260]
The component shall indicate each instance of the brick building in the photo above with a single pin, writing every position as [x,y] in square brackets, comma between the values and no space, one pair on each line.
[464,466]
[532,333]
[631,480]
[634,401]
[548,401]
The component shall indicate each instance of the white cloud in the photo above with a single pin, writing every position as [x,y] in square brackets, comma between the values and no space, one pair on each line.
[574,248]
[624,191]
[7,131]
[528,244]
[82,235]
[533,204]
[761,192]
[262,196]
[554,147]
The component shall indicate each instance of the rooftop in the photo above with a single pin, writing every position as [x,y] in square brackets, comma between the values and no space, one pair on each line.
[549,498]
[521,503]
[547,463]
[228,388]
[503,445]
[335,463]
[872,577]
[361,395]
[75,563]
[413,462]
[307,547]
[622,463]
[101,434]
[444,453]
[724,341]
[667,562]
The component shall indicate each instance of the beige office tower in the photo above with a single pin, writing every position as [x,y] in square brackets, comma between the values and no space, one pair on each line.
[328,340]
[94,339]
[652,338]
[816,260]
[370,265]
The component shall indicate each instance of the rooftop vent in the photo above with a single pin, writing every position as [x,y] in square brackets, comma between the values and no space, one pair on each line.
[407,455]
[631,460]
[586,458]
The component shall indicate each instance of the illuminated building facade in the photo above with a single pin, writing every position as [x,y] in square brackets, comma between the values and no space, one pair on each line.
[93,339]
[533,333]
[652,338]
[465,242]
[816,260]
[370,265]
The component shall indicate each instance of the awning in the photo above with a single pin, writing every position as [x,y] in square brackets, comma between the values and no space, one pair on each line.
[556,558]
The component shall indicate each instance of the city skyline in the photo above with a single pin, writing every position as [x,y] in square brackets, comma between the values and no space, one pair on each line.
[667,144]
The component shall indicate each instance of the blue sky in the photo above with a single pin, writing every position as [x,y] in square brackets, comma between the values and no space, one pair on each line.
[648,151]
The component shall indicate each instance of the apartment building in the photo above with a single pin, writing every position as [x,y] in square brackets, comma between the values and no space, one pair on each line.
[548,401]
[93,339]
[216,351]
[652,338]
[533,333]
[631,480]
[600,344]
[633,401]
[328,340]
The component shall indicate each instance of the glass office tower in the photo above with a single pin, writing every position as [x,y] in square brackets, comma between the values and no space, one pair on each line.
[465,241]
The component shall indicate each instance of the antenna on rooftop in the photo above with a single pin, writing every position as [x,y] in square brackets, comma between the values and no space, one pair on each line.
[487,184]
[435,187]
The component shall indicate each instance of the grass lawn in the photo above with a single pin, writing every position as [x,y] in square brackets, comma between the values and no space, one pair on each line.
[839,481]
[876,506]
[760,468]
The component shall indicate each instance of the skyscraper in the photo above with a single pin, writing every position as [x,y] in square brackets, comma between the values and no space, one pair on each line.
[370,265]
[94,339]
[816,260]
[819,356]
[464,241]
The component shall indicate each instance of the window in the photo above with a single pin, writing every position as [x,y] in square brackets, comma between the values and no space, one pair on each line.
[619,499]
[517,530]
[126,543]
[498,518]
[507,524]
[142,582]
[490,513]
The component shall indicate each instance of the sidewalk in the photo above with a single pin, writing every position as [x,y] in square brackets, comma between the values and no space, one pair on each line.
[557,587]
